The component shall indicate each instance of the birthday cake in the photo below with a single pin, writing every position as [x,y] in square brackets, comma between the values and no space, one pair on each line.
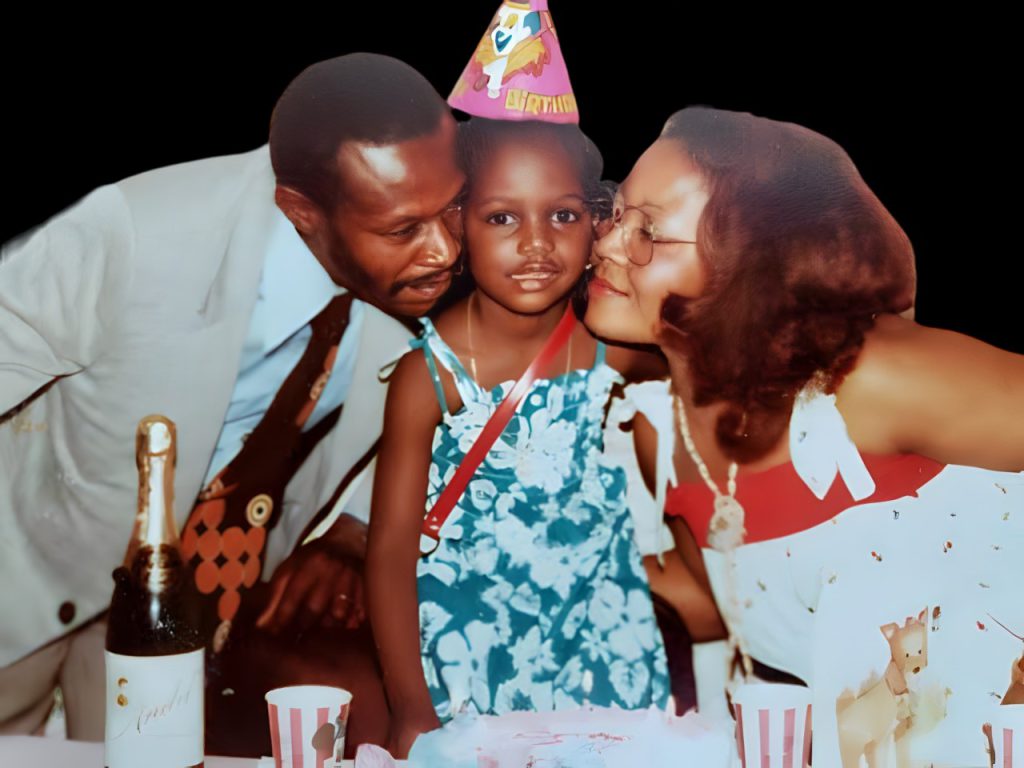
[591,737]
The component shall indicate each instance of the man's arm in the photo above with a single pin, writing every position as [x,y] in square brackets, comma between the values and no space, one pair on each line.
[61,288]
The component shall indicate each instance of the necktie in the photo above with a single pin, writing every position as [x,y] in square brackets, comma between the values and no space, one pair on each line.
[225,534]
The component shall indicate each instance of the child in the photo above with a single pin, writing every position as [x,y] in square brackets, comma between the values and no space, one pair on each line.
[536,597]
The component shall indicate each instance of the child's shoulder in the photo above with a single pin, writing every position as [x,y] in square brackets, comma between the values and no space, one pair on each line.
[410,399]
[417,380]
[410,373]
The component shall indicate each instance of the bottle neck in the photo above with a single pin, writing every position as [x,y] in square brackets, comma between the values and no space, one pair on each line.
[155,527]
[154,610]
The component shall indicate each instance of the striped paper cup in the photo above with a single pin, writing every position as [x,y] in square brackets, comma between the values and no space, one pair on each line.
[304,722]
[773,725]
[1008,735]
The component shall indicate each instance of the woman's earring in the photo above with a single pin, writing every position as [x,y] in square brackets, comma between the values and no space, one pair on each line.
[459,266]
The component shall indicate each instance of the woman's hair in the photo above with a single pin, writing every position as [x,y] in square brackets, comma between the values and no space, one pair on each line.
[800,257]
[477,140]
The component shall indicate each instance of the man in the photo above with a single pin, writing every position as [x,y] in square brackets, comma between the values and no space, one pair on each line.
[186,291]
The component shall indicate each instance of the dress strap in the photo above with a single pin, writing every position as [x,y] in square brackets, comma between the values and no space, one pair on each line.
[435,350]
[820,447]
[428,356]
[599,354]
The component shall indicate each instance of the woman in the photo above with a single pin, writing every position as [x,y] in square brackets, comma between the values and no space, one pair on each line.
[821,433]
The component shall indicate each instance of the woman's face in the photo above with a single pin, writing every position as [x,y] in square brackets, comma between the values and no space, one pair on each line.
[668,194]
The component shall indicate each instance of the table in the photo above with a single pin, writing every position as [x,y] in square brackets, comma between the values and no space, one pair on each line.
[42,752]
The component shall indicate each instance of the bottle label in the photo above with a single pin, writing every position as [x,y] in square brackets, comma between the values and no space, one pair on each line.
[154,710]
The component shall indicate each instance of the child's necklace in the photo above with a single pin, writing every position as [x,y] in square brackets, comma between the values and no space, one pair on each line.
[469,342]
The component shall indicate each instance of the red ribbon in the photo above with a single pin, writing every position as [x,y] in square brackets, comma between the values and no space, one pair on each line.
[450,496]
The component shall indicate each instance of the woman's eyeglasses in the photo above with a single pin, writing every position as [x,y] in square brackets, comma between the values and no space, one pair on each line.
[639,234]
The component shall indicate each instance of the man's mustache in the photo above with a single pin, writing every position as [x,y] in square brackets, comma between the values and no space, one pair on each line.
[430,277]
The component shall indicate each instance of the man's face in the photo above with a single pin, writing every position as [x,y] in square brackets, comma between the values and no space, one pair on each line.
[393,237]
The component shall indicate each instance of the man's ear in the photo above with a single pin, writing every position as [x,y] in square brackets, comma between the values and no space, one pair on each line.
[306,216]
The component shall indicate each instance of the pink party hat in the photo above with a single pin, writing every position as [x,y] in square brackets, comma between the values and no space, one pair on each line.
[517,71]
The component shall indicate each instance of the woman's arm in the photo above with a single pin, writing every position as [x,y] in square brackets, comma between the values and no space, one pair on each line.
[938,394]
[399,497]
[683,581]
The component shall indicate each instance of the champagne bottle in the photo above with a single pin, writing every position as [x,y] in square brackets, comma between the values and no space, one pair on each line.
[154,651]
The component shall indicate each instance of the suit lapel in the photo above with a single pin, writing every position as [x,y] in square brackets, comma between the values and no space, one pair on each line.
[227,306]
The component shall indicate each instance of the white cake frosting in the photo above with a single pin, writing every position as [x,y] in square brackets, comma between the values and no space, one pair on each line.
[591,737]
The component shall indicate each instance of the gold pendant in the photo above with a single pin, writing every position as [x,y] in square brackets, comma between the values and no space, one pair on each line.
[726,531]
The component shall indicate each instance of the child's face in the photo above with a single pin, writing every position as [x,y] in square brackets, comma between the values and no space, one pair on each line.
[527,226]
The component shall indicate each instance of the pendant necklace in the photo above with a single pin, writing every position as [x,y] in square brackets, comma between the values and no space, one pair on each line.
[725,534]
[725,531]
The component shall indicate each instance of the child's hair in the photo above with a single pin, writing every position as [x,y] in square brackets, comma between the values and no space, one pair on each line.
[476,142]
[479,137]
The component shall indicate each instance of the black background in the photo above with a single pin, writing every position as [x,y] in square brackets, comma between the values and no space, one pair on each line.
[923,107]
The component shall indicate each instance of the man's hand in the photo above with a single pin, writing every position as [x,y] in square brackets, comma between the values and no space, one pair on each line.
[320,582]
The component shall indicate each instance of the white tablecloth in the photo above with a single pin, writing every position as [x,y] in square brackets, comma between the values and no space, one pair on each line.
[40,752]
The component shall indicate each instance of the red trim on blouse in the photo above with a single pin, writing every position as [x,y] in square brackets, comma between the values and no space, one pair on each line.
[778,502]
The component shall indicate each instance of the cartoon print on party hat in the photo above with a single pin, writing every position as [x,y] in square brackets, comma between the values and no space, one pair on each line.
[517,71]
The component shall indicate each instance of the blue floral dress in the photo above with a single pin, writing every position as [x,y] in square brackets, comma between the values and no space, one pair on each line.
[536,597]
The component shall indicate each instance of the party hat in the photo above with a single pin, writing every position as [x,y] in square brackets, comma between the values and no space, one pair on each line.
[517,71]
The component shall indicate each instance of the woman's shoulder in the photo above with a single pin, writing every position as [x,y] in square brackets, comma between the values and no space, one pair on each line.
[897,353]
[896,344]
[898,347]
[939,393]
[901,360]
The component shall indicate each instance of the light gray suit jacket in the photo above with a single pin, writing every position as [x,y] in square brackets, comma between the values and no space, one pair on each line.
[135,301]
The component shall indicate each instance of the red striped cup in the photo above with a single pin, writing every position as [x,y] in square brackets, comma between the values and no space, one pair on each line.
[1008,735]
[773,725]
[303,723]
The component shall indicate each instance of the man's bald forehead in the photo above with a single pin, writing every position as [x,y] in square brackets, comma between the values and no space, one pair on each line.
[360,97]
[370,174]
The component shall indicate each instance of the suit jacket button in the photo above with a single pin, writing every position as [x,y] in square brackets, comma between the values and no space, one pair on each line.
[66,612]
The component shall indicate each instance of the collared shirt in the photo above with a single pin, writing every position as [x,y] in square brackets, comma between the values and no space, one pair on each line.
[294,288]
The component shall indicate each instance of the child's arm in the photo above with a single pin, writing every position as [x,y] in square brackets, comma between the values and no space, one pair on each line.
[683,582]
[399,496]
